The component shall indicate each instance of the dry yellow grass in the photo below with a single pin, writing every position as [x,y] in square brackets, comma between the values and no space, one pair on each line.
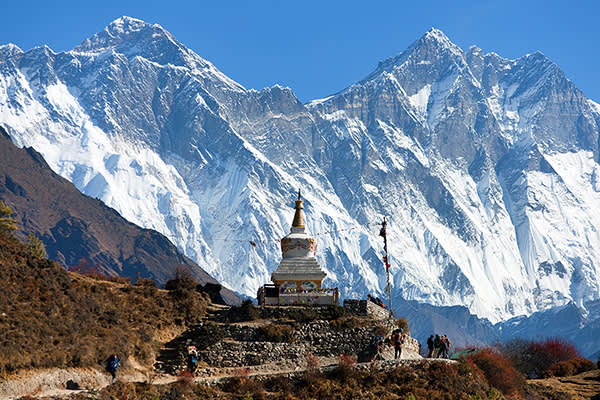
[584,386]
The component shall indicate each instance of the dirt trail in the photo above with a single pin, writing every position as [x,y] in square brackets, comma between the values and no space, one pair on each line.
[51,382]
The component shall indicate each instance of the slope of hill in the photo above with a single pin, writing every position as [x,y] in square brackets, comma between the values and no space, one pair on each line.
[50,317]
[81,231]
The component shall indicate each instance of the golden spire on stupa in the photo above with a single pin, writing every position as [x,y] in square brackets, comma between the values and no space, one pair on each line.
[298,216]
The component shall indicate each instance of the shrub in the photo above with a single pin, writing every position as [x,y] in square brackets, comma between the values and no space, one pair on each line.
[568,368]
[402,323]
[183,279]
[245,312]
[531,357]
[349,322]
[303,315]
[346,366]
[498,371]
[145,282]
[241,383]
[313,370]
[276,333]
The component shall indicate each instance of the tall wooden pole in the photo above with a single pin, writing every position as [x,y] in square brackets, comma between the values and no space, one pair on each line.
[386,262]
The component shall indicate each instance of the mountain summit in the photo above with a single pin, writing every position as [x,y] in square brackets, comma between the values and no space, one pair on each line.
[486,168]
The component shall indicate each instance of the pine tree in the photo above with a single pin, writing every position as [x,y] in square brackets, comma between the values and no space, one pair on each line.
[35,246]
[7,223]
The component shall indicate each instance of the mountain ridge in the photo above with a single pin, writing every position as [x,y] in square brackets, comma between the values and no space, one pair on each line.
[81,231]
[461,157]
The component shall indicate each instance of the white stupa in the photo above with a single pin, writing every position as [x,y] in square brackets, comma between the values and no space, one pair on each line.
[298,268]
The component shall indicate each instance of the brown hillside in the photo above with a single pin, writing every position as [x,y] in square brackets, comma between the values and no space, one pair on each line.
[53,318]
[79,230]
[584,386]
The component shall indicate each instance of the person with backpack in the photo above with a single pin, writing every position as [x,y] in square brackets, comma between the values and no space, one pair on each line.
[443,348]
[436,346]
[192,359]
[111,365]
[376,344]
[397,342]
[446,346]
[430,346]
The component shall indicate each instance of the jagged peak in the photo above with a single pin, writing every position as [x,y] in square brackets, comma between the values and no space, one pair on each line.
[126,24]
[9,50]
[436,34]
[10,47]
[439,38]
[432,38]
[475,50]
[121,31]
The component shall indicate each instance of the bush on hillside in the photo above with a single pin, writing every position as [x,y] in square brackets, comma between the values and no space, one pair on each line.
[402,323]
[145,282]
[245,312]
[568,368]
[497,370]
[532,357]
[183,279]
[276,333]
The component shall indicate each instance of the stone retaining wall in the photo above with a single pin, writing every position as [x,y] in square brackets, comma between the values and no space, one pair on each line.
[243,347]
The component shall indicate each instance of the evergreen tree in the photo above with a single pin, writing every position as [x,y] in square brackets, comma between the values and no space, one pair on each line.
[7,223]
[35,246]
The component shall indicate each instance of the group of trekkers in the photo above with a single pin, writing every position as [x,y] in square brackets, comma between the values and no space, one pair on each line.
[396,339]
[438,346]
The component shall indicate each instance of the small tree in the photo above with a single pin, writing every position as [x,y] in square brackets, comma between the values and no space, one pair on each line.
[183,279]
[7,223]
[35,246]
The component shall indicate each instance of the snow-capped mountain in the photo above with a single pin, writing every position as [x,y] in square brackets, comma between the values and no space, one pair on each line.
[486,168]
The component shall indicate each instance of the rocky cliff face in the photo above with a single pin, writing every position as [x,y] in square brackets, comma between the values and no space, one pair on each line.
[487,168]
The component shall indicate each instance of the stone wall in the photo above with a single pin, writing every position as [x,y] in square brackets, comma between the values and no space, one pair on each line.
[326,332]
[243,346]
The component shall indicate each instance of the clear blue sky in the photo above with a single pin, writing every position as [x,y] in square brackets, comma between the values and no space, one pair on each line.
[319,47]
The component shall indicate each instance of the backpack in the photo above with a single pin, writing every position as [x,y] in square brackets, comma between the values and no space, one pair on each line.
[112,363]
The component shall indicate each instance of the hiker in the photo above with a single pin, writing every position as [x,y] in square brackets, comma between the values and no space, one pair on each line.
[430,347]
[371,299]
[112,364]
[443,349]
[192,359]
[376,343]
[397,340]
[444,346]
[436,346]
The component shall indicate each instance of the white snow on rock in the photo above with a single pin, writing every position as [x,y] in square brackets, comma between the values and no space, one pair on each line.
[491,201]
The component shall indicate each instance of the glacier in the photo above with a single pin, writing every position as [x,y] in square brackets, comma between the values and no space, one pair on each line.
[486,168]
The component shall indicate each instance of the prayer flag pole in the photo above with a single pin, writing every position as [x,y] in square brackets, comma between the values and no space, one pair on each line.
[383,233]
